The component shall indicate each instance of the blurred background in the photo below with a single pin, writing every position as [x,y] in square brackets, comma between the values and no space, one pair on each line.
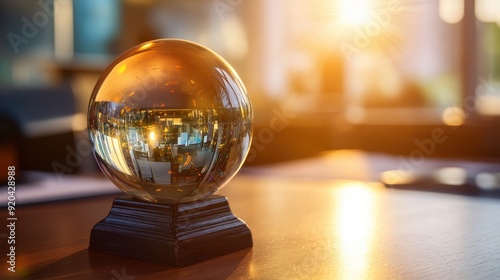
[373,75]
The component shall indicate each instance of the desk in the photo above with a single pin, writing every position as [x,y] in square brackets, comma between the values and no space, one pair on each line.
[303,228]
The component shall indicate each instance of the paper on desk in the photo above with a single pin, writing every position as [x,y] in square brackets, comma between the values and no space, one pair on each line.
[45,187]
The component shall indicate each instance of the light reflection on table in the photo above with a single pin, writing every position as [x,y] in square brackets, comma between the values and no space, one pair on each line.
[303,228]
[355,213]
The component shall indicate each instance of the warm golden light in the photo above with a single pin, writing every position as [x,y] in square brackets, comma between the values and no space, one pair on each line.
[122,69]
[152,136]
[488,10]
[451,11]
[79,122]
[355,12]
[454,176]
[487,104]
[397,177]
[145,46]
[357,27]
[63,30]
[355,226]
[454,116]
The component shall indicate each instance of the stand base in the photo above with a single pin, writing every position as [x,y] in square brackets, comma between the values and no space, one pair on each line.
[172,234]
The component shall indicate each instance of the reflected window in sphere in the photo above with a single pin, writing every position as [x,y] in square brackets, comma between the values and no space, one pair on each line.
[170,121]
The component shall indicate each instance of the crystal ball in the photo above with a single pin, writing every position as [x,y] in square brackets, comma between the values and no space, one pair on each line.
[170,121]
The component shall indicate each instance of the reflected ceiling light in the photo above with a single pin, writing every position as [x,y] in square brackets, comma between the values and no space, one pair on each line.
[451,11]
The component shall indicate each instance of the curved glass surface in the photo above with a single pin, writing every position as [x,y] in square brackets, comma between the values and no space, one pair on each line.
[170,121]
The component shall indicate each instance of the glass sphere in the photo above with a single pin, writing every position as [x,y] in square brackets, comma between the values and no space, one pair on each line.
[170,121]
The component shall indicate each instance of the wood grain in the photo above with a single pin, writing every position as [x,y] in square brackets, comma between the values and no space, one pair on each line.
[303,228]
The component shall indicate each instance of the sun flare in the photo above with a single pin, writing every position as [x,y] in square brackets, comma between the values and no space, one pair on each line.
[355,12]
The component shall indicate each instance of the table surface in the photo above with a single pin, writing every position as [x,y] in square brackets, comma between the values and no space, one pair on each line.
[304,227]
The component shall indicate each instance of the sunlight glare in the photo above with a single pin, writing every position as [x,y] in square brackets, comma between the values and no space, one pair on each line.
[355,12]
[356,222]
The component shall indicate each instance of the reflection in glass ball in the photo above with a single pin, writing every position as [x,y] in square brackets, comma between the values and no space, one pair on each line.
[170,121]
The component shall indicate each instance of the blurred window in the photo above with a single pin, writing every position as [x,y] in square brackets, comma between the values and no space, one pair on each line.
[488,30]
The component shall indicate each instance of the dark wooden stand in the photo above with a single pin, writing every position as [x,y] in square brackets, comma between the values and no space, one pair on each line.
[172,234]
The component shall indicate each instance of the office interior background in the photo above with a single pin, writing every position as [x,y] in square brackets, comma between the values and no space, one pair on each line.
[372,75]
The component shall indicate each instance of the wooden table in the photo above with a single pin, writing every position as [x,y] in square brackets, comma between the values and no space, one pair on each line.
[303,228]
